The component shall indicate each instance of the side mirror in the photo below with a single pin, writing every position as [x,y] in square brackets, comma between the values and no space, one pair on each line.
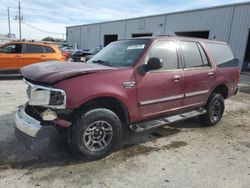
[154,63]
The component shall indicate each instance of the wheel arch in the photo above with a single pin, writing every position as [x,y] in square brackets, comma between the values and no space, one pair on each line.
[221,89]
[111,103]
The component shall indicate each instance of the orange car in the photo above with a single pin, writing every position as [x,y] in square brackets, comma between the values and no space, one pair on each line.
[15,55]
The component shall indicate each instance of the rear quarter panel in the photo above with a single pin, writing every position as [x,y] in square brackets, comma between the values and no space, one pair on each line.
[227,76]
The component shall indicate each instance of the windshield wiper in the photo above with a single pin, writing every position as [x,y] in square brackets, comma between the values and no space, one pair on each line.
[107,63]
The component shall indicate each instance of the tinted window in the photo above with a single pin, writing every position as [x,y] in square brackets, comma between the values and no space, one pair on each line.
[203,55]
[12,48]
[31,48]
[194,56]
[165,50]
[48,49]
[222,54]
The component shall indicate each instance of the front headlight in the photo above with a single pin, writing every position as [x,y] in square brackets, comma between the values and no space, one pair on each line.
[46,96]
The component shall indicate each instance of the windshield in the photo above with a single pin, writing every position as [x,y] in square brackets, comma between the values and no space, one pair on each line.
[121,53]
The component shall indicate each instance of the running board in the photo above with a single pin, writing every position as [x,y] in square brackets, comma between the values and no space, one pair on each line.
[140,127]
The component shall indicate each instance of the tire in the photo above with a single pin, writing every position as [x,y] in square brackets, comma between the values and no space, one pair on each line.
[95,134]
[215,109]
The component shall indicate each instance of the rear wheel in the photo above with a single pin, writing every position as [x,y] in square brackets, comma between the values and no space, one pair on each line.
[95,134]
[215,109]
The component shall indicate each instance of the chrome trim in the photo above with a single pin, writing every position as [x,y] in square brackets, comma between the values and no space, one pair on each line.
[161,99]
[198,68]
[152,101]
[169,70]
[35,87]
[173,109]
[26,123]
[196,93]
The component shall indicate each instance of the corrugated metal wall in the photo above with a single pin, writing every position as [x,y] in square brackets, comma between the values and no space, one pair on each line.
[228,23]
[240,31]
[216,21]
[114,28]
[154,25]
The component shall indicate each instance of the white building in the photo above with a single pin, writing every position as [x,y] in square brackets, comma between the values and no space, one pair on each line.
[230,23]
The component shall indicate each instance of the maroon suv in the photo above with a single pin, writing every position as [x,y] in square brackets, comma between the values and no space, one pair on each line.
[138,84]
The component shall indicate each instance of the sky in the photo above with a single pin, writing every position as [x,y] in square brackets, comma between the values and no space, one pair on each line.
[44,18]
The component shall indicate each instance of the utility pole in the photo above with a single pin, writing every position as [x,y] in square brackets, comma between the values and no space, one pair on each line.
[9,35]
[19,18]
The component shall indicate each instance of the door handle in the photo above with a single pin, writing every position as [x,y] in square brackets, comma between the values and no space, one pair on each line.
[211,74]
[42,55]
[17,56]
[176,78]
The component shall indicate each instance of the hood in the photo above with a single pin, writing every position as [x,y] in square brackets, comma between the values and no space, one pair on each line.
[54,71]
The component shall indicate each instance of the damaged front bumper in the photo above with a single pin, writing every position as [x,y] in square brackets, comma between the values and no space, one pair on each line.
[30,130]
[26,127]
[26,123]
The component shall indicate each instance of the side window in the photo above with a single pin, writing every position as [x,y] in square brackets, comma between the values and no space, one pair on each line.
[222,54]
[12,48]
[165,50]
[49,49]
[194,55]
[203,55]
[32,48]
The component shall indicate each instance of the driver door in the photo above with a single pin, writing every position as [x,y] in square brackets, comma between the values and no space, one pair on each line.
[160,92]
[10,56]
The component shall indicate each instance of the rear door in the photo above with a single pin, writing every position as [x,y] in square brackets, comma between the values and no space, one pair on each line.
[199,74]
[160,92]
[33,54]
[49,54]
[10,56]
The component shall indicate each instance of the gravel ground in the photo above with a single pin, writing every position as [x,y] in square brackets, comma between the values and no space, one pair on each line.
[184,154]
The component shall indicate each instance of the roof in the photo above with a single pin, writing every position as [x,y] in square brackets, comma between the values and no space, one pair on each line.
[178,38]
[28,42]
[164,14]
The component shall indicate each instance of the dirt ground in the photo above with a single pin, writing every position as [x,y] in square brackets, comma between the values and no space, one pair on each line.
[184,154]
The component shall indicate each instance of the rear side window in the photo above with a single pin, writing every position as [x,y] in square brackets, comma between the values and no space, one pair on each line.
[12,48]
[48,49]
[165,50]
[194,55]
[222,54]
[32,48]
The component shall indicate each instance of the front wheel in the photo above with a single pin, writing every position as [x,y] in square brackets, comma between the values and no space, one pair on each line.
[95,134]
[215,109]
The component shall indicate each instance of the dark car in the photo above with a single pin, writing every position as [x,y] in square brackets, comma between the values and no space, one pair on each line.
[135,84]
[83,55]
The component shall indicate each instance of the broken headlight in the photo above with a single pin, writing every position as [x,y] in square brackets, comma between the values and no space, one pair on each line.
[46,96]
[56,98]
